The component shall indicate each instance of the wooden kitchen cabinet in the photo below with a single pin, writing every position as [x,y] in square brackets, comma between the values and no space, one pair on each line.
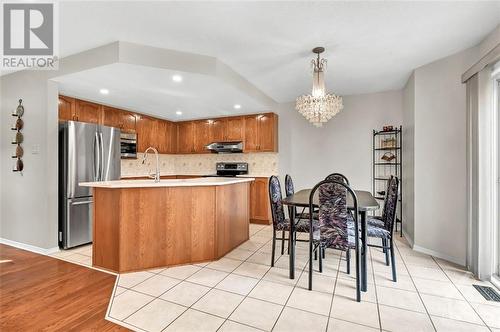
[114,117]
[171,136]
[185,137]
[217,131]
[67,108]
[147,133]
[261,133]
[161,136]
[260,210]
[235,129]
[71,109]
[201,136]
[88,112]
[166,136]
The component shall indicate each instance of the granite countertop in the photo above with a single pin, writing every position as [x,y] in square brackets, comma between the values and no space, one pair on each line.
[195,182]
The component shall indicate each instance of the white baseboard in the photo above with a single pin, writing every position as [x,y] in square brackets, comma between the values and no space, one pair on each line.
[438,255]
[407,237]
[495,280]
[29,247]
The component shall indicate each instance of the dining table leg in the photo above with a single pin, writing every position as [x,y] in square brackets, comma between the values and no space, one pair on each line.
[291,239]
[364,252]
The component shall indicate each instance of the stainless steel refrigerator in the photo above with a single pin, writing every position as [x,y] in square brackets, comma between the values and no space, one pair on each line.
[87,153]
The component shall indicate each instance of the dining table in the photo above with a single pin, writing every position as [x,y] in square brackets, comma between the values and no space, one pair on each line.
[366,203]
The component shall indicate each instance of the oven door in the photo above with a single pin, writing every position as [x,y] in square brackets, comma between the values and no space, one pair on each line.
[128,145]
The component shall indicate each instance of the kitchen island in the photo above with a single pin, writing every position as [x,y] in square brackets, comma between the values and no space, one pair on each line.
[142,224]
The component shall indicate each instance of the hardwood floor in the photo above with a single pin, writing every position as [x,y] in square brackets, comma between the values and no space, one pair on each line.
[40,293]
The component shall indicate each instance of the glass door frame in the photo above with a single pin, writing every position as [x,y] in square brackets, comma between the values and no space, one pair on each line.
[495,278]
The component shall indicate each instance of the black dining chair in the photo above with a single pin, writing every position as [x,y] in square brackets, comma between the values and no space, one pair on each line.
[280,223]
[338,177]
[383,227]
[338,227]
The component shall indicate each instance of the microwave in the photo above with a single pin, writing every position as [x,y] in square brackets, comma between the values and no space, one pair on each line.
[128,145]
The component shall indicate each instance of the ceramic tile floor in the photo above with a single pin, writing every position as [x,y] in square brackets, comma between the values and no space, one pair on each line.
[80,255]
[241,292]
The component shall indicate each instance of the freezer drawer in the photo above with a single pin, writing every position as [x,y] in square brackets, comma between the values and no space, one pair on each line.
[77,228]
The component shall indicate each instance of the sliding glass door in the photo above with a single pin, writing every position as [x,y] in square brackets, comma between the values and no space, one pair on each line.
[496,256]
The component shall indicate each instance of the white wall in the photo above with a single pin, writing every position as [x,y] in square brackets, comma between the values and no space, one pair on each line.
[343,145]
[408,187]
[24,198]
[28,206]
[440,156]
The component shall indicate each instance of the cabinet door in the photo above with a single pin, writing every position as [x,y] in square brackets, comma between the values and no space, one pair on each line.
[146,131]
[128,122]
[185,138]
[235,129]
[171,137]
[267,132]
[161,136]
[217,130]
[66,108]
[118,118]
[201,136]
[111,117]
[259,201]
[88,112]
[251,133]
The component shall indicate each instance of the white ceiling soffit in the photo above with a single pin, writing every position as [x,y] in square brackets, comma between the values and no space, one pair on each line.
[141,80]
[370,45]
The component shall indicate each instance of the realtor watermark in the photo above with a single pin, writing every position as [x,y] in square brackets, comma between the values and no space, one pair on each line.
[29,36]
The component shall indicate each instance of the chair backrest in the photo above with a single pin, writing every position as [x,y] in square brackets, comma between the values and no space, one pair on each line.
[275,197]
[289,190]
[333,214]
[338,177]
[390,203]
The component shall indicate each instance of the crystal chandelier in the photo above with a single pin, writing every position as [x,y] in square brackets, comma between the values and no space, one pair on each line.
[319,106]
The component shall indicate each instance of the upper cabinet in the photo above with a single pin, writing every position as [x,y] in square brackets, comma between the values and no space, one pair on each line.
[79,110]
[144,128]
[258,132]
[261,133]
[235,129]
[185,137]
[88,112]
[67,110]
[159,134]
[114,117]
[201,136]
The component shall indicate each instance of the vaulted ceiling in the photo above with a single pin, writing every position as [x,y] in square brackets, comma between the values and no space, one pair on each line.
[370,46]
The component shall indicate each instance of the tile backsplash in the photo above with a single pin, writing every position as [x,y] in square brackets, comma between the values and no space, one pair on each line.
[259,164]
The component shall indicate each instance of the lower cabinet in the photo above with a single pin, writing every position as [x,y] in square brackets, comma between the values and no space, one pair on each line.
[260,210]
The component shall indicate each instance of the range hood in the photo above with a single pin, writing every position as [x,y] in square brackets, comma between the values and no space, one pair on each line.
[226,147]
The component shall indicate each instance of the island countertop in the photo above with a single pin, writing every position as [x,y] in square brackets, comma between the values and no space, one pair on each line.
[149,183]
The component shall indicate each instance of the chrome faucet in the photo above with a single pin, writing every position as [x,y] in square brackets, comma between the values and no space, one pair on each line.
[156,176]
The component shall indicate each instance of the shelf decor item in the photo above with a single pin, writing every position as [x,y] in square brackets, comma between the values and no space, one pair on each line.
[319,106]
[387,160]
[18,138]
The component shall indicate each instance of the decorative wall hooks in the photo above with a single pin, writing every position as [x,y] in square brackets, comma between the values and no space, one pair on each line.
[18,138]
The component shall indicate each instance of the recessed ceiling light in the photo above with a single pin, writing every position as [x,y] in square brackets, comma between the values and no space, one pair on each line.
[104,91]
[237,106]
[177,78]
[178,113]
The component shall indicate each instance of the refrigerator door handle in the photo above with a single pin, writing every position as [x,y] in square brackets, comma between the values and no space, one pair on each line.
[97,157]
[82,202]
[101,176]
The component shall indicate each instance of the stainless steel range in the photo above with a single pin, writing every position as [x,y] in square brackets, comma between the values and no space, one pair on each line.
[227,169]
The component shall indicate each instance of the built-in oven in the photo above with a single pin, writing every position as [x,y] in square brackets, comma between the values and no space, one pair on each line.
[128,145]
